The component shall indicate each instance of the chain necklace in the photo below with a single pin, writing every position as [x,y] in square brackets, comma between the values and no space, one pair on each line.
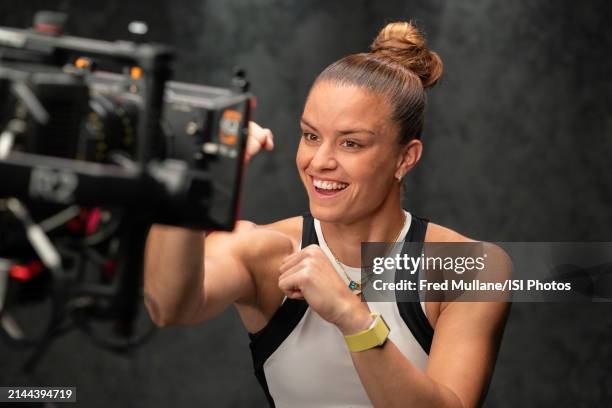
[353,285]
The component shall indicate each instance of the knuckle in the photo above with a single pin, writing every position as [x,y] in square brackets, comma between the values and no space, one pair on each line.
[306,276]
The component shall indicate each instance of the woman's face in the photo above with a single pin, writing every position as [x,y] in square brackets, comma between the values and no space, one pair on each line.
[348,153]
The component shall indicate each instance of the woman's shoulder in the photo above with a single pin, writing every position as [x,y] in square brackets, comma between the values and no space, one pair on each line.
[291,227]
[278,233]
[439,233]
[497,257]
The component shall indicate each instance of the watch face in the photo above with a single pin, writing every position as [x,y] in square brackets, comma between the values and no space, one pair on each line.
[375,336]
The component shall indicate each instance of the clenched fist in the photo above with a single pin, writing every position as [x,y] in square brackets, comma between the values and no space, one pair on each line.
[258,138]
[309,275]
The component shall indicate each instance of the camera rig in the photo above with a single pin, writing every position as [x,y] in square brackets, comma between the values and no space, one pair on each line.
[96,146]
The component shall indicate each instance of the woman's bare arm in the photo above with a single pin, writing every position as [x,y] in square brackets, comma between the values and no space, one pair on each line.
[174,274]
[184,287]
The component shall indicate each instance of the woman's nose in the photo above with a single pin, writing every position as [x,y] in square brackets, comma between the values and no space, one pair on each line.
[324,158]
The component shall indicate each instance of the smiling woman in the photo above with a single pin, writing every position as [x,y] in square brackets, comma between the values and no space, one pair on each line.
[294,282]
[341,133]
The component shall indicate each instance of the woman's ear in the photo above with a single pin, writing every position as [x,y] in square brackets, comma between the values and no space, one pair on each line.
[409,157]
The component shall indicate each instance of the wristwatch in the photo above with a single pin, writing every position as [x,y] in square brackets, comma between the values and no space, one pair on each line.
[374,336]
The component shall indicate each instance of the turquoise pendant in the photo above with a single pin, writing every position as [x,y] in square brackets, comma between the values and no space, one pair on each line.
[353,285]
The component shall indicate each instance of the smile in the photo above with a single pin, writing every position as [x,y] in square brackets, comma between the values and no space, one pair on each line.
[328,187]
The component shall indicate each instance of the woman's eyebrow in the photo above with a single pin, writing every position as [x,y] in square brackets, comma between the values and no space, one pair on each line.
[341,132]
[308,124]
[357,130]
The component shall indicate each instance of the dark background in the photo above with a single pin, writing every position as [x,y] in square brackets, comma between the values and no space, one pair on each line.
[518,147]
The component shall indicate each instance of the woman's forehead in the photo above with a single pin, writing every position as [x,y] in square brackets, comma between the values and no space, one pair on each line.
[345,106]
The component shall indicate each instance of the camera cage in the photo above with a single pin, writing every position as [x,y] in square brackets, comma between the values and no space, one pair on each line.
[153,186]
[130,179]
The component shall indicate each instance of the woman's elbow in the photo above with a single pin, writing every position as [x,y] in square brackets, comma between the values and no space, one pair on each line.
[158,316]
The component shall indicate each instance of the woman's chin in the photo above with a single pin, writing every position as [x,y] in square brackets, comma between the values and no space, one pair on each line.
[328,214]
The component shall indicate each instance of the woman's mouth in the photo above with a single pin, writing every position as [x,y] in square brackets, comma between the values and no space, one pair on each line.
[328,188]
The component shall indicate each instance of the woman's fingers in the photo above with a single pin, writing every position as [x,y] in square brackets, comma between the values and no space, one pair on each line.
[296,294]
[269,145]
[291,274]
[291,261]
[258,137]
[290,283]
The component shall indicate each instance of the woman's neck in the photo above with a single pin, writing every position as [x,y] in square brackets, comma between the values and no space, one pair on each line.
[345,239]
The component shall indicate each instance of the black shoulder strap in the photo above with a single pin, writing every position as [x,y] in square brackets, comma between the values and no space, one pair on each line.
[411,311]
[267,340]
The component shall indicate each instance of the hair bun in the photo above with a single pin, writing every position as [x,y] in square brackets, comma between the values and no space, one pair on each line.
[403,42]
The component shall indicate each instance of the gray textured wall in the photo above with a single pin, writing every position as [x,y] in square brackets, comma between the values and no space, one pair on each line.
[518,147]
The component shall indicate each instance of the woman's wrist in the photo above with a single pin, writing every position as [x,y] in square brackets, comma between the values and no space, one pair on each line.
[355,318]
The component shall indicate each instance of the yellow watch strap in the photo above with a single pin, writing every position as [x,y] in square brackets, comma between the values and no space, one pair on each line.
[374,336]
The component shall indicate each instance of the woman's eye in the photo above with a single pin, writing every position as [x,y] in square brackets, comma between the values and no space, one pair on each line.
[351,144]
[310,137]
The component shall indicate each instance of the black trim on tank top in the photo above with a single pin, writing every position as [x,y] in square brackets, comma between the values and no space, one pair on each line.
[411,311]
[285,319]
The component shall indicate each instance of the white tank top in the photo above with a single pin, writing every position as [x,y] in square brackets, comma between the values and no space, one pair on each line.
[312,366]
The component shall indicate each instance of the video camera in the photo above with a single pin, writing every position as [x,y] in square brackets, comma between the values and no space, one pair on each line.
[97,145]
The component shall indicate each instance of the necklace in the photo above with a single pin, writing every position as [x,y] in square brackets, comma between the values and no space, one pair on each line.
[353,285]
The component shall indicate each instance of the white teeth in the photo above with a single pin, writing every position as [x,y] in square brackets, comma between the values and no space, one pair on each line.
[328,185]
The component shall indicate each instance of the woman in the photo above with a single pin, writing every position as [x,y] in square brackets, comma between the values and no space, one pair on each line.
[294,282]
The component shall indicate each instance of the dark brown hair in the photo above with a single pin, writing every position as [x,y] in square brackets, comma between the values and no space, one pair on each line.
[400,67]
